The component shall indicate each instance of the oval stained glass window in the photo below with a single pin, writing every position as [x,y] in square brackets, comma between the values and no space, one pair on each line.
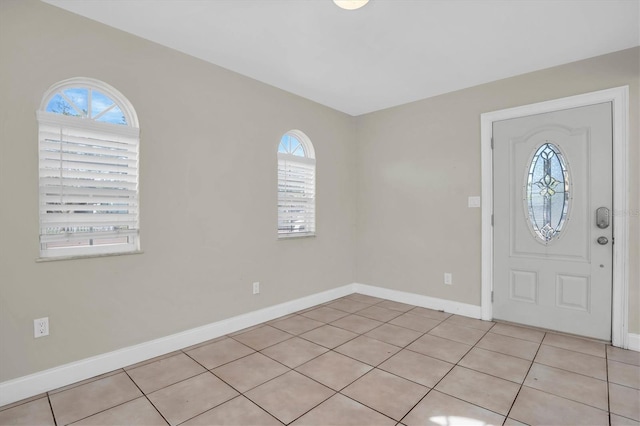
[547,192]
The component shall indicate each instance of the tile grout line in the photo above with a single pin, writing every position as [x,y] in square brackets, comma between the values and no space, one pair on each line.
[23,401]
[220,378]
[386,359]
[552,366]
[53,415]
[606,380]
[448,372]
[110,408]
[210,371]
[575,351]
[103,410]
[273,378]
[221,365]
[312,408]
[302,374]
[376,367]
[171,384]
[566,397]
[85,381]
[606,371]
[365,405]
[240,395]
[196,375]
[373,367]
[339,392]
[441,321]
[267,381]
[623,362]
[226,383]
[311,378]
[525,378]
[147,398]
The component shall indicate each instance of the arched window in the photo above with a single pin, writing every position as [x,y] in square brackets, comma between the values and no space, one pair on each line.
[296,186]
[88,149]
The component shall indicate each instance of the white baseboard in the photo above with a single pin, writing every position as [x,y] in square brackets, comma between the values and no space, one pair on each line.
[53,378]
[633,340]
[472,311]
[449,306]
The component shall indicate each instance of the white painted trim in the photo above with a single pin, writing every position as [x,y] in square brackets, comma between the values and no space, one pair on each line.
[634,342]
[449,306]
[309,150]
[619,97]
[53,378]
[123,103]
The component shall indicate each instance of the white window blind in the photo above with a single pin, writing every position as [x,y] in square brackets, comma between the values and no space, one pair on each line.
[88,186]
[296,186]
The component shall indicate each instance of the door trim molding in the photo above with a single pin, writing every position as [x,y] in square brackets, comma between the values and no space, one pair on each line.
[619,97]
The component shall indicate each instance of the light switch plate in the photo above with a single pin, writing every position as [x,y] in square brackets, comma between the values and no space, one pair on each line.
[474,202]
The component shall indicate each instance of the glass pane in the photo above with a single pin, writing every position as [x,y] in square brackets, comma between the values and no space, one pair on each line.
[284,144]
[99,102]
[291,145]
[58,105]
[114,115]
[547,192]
[80,97]
[295,148]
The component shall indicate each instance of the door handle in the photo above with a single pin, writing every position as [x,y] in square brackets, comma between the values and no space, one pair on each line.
[602,217]
[603,240]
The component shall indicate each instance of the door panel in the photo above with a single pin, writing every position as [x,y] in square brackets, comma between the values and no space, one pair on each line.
[549,272]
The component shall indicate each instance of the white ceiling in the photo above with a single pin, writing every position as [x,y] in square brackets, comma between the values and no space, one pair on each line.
[388,53]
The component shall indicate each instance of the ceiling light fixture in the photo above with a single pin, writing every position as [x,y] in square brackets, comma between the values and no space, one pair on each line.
[350,4]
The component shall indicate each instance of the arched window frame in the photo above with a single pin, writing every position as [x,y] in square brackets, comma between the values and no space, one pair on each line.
[296,189]
[88,176]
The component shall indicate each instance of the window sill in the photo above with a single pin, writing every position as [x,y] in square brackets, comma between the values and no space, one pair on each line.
[88,256]
[295,236]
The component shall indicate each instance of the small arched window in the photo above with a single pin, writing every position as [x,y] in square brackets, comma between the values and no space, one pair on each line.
[296,186]
[88,170]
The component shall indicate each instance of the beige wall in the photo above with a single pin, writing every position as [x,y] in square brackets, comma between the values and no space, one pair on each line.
[204,129]
[418,163]
[204,243]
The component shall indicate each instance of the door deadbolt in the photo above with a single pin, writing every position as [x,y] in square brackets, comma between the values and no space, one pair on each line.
[602,218]
[603,240]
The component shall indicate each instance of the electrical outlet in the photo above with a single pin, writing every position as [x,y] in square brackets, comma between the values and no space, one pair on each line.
[40,327]
[256,288]
[448,278]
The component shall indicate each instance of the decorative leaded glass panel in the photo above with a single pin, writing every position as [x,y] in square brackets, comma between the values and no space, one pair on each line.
[547,192]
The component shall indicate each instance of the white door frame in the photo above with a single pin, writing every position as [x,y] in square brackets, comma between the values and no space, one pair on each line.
[619,97]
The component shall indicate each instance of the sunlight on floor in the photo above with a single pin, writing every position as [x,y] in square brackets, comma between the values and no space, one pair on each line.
[455,421]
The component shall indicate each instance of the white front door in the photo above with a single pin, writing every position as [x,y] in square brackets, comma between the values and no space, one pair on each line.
[552,188]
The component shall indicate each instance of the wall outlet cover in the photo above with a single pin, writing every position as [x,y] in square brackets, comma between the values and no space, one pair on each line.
[41,327]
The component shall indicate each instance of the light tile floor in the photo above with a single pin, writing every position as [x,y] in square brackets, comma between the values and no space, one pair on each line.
[360,360]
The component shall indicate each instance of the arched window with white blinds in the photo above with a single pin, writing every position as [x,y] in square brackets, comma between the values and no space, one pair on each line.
[88,162]
[296,186]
